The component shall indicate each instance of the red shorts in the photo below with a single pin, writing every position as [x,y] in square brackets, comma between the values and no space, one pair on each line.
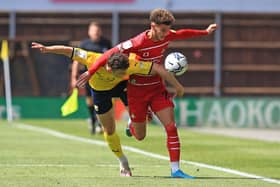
[141,97]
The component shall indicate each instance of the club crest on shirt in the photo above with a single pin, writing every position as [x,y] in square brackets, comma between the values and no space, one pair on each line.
[80,53]
[146,54]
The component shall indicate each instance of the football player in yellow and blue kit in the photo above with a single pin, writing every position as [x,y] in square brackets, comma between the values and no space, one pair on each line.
[108,82]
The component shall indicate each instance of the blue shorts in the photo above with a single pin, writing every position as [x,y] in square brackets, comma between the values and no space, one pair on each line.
[103,99]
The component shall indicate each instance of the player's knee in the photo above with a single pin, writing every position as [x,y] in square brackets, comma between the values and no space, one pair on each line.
[109,131]
[140,137]
[171,127]
[139,130]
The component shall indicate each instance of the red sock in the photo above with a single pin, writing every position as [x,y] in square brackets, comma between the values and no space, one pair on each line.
[131,128]
[173,143]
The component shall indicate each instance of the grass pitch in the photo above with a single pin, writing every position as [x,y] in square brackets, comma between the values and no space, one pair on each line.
[29,158]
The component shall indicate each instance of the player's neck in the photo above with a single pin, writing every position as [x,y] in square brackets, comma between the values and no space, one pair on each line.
[151,35]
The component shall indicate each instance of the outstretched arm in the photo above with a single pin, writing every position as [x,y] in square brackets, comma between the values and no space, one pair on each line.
[190,33]
[56,49]
[169,77]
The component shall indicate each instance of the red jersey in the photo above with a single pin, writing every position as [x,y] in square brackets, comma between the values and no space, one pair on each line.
[146,50]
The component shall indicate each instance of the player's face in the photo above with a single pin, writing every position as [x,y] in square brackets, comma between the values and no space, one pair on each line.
[160,31]
[120,73]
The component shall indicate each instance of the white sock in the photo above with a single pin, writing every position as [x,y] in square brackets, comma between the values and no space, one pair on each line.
[123,162]
[128,121]
[174,166]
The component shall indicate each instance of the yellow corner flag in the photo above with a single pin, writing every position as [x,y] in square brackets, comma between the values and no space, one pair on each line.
[4,50]
[71,104]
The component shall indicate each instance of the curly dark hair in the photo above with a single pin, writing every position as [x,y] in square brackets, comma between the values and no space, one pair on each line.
[118,61]
[162,16]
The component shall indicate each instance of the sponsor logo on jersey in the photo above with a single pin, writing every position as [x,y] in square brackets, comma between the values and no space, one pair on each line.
[141,65]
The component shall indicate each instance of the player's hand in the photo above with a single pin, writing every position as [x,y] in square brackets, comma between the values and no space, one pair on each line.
[39,46]
[179,91]
[211,28]
[83,79]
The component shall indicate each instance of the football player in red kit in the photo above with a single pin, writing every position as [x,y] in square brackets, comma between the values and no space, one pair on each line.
[149,91]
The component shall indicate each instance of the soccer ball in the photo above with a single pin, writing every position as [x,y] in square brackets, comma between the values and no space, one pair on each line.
[176,63]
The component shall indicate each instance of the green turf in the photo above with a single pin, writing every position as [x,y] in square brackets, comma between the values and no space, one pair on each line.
[30,158]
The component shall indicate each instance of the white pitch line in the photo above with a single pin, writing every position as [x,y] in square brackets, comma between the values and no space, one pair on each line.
[139,151]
